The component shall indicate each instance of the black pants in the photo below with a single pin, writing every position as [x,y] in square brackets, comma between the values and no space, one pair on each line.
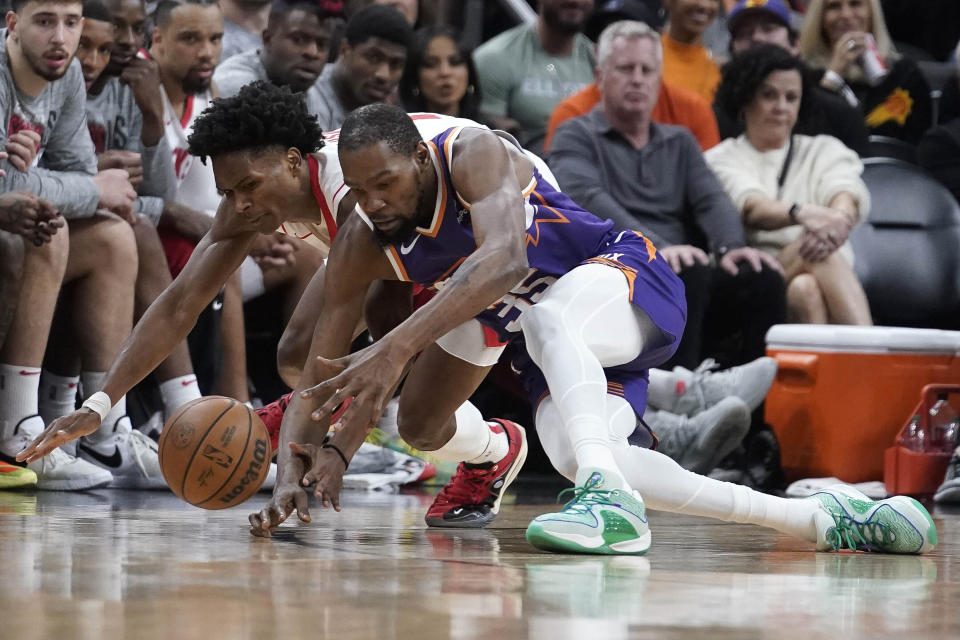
[728,316]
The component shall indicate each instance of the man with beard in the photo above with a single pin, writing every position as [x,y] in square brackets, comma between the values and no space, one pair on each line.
[296,44]
[526,71]
[590,309]
[41,89]
[125,119]
[243,24]
[372,55]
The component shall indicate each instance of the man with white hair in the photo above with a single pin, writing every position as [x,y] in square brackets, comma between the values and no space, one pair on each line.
[621,165]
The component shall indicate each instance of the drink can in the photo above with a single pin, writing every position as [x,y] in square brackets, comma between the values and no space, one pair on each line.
[874,68]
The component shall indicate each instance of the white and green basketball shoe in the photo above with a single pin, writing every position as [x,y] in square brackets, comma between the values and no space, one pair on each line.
[603,517]
[848,519]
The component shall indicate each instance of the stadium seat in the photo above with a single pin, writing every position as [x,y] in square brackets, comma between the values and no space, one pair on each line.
[907,250]
[887,147]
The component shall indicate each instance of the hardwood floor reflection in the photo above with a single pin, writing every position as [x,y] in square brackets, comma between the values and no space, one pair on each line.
[112,564]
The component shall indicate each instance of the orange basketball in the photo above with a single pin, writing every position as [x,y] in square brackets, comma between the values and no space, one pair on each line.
[214,452]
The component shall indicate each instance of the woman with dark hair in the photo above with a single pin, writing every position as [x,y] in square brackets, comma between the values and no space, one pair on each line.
[799,196]
[440,76]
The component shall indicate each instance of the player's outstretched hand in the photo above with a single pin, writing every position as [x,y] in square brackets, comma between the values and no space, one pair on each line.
[367,376]
[287,496]
[326,471]
[62,430]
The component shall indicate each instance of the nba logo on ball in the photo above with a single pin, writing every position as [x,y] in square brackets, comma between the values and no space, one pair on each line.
[214,452]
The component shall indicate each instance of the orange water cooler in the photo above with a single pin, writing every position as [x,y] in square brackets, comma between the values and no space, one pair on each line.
[842,394]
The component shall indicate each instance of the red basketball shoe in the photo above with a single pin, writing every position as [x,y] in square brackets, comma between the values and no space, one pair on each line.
[272,416]
[472,497]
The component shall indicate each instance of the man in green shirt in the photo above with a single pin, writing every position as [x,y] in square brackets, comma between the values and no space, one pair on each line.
[526,71]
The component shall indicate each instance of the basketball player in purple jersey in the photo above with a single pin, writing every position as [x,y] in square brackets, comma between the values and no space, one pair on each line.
[592,307]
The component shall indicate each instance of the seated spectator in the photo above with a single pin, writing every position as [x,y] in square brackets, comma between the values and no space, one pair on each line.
[847,40]
[939,151]
[409,8]
[41,89]
[752,23]
[526,71]
[675,105]
[243,25]
[440,76]
[295,48]
[372,55]
[125,120]
[620,165]
[687,62]
[799,196]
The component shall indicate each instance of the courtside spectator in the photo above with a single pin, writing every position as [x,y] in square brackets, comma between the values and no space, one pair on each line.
[372,54]
[296,44]
[620,165]
[243,25]
[687,62]
[440,77]
[799,196]
[42,89]
[841,38]
[526,71]
[754,22]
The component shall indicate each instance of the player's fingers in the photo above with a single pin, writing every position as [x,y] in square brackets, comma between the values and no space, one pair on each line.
[301,502]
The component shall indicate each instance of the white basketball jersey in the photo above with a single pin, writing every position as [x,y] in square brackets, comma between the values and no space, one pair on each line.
[196,185]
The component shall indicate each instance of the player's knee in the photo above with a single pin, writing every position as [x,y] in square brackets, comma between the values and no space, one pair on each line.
[804,291]
[51,256]
[291,356]
[540,324]
[115,241]
[419,429]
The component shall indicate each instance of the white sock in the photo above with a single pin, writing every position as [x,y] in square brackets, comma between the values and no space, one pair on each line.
[19,387]
[177,392]
[662,389]
[91,382]
[667,486]
[58,395]
[475,441]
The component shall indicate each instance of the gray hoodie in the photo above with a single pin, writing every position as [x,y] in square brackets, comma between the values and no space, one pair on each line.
[66,164]
[115,123]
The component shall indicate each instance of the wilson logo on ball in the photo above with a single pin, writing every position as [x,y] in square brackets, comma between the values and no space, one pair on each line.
[253,471]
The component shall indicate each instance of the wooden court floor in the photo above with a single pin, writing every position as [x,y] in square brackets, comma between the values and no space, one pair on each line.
[114,564]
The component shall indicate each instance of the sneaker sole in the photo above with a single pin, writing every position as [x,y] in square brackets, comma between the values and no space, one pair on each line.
[544,541]
[137,483]
[481,522]
[17,483]
[73,484]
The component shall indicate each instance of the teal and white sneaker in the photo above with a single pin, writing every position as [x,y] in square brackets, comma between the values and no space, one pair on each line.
[849,519]
[603,517]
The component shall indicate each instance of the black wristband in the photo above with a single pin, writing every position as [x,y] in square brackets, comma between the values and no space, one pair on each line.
[792,213]
[330,445]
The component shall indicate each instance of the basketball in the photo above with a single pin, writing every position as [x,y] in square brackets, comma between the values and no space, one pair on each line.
[214,452]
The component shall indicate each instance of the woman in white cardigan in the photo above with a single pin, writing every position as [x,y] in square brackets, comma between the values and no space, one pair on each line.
[799,196]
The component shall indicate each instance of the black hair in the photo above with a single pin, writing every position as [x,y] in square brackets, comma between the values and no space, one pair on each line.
[413,100]
[16,5]
[319,8]
[378,21]
[379,122]
[161,15]
[96,10]
[744,74]
[260,116]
